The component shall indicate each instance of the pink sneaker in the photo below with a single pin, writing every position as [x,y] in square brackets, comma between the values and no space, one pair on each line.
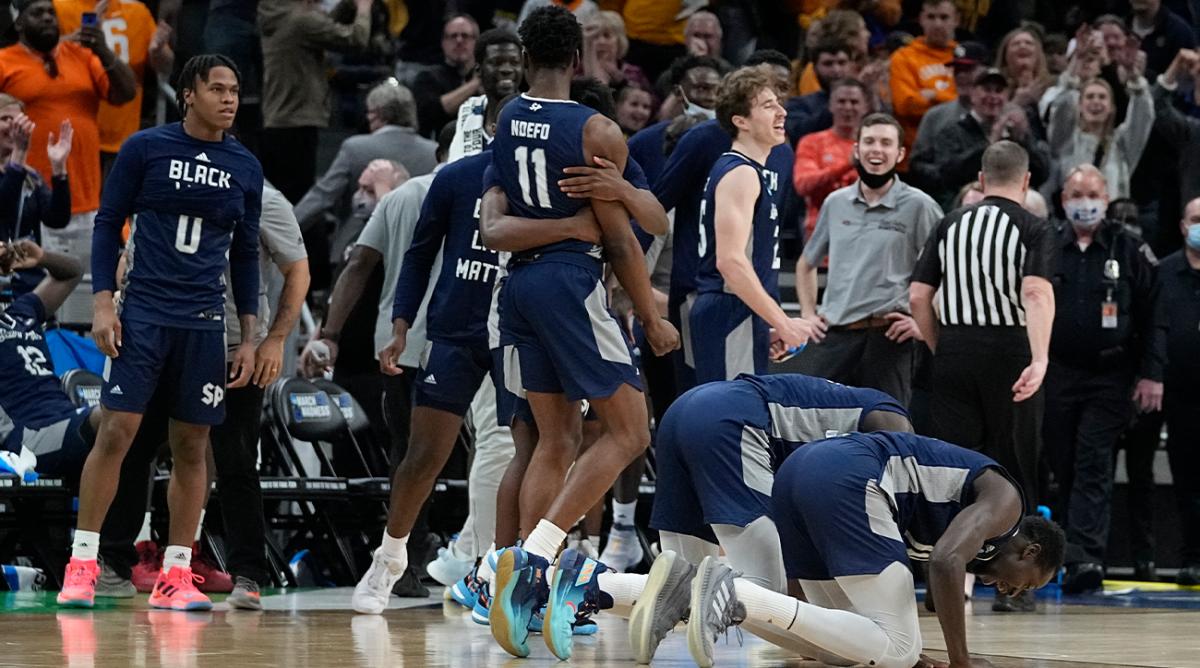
[79,585]
[216,581]
[176,590]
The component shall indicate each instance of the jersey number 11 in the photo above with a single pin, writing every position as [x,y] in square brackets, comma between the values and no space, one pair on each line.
[522,155]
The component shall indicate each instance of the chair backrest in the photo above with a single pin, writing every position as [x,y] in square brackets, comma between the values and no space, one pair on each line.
[306,411]
[83,387]
[356,418]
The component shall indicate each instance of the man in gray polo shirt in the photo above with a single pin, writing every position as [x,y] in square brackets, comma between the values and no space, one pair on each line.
[871,232]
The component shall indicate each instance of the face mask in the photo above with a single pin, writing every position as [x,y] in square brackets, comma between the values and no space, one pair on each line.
[1085,212]
[362,204]
[1193,238]
[873,180]
[692,109]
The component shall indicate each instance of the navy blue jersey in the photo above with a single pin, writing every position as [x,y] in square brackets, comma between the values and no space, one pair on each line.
[680,186]
[929,482]
[449,222]
[636,176]
[535,139]
[646,146]
[763,246]
[195,203]
[30,395]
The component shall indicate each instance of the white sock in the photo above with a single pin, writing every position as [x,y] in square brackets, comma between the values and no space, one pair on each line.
[199,526]
[625,588]
[766,606]
[545,540]
[485,571]
[177,555]
[144,534]
[394,548]
[86,545]
[623,513]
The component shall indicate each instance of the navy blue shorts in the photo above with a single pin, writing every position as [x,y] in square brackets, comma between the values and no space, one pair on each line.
[554,313]
[510,406]
[727,338]
[713,461]
[833,519]
[188,363]
[450,375]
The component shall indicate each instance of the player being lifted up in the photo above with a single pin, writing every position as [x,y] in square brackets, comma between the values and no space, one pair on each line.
[195,194]
[736,316]
[559,339]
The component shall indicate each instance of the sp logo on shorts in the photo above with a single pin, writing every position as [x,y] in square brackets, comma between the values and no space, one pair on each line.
[213,394]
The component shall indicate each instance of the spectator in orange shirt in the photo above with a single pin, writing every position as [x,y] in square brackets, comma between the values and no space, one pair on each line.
[131,34]
[824,159]
[920,76]
[65,80]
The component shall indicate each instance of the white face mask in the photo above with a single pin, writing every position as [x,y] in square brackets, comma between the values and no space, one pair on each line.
[1085,212]
[692,109]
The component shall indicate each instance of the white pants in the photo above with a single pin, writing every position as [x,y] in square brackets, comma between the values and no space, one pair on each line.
[493,451]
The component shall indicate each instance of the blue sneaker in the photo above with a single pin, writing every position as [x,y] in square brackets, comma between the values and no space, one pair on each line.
[574,595]
[465,592]
[479,614]
[584,626]
[519,590]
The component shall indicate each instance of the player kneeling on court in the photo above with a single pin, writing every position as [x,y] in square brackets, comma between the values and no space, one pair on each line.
[718,448]
[852,511]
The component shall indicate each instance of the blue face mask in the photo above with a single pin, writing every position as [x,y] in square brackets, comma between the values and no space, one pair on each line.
[1193,237]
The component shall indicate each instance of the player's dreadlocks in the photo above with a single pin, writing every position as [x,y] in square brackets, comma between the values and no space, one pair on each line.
[551,37]
[200,66]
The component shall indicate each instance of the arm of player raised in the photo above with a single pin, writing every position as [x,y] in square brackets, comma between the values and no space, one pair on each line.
[502,232]
[63,273]
[996,509]
[734,220]
[428,238]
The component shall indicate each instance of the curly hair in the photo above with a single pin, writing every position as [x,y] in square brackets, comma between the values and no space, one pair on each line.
[551,36]
[1050,536]
[200,66]
[737,93]
[684,64]
[592,93]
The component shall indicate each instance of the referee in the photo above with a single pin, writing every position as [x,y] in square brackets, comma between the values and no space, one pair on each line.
[990,336]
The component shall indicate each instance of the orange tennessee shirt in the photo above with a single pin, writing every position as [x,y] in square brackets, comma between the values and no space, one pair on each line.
[653,21]
[822,166]
[128,28]
[75,94]
[914,68]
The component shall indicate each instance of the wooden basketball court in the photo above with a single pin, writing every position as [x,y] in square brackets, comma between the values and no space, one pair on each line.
[1155,626]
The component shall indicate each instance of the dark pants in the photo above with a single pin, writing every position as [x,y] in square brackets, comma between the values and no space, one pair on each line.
[235,453]
[1086,412]
[863,358]
[972,404]
[1182,405]
[1140,443]
[289,161]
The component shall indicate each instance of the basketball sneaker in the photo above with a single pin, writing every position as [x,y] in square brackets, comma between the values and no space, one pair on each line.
[111,585]
[216,581]
[663,604]
[574,594]
[79,585]
[374,590]
[146,570]
[448,569]
[623,550]
[479,613]
[466,591]
[245,595]
[714,608]
[176,590]
[519,591]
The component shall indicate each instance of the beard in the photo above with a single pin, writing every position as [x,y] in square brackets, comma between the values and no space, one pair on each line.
[42,41]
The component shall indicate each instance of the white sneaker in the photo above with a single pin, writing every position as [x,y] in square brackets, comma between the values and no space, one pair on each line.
[623,550]
[19,464]
[448,569]
[374,590]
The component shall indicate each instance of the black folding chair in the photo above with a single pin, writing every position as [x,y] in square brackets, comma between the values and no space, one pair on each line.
[83,387]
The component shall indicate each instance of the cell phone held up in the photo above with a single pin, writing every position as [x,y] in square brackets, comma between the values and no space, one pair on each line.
[90,20]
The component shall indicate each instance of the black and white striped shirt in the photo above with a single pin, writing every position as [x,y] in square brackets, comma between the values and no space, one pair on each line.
[977,257]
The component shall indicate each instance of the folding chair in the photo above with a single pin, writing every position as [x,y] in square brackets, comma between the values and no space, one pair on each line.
[83,387]
[295,409]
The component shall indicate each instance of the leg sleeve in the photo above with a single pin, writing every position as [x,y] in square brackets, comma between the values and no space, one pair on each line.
[755,552]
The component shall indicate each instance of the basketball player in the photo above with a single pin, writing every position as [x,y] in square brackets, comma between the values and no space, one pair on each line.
[41,431]
[196,195]
[738,278]
[559,339]
[454,363]
[852,511]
